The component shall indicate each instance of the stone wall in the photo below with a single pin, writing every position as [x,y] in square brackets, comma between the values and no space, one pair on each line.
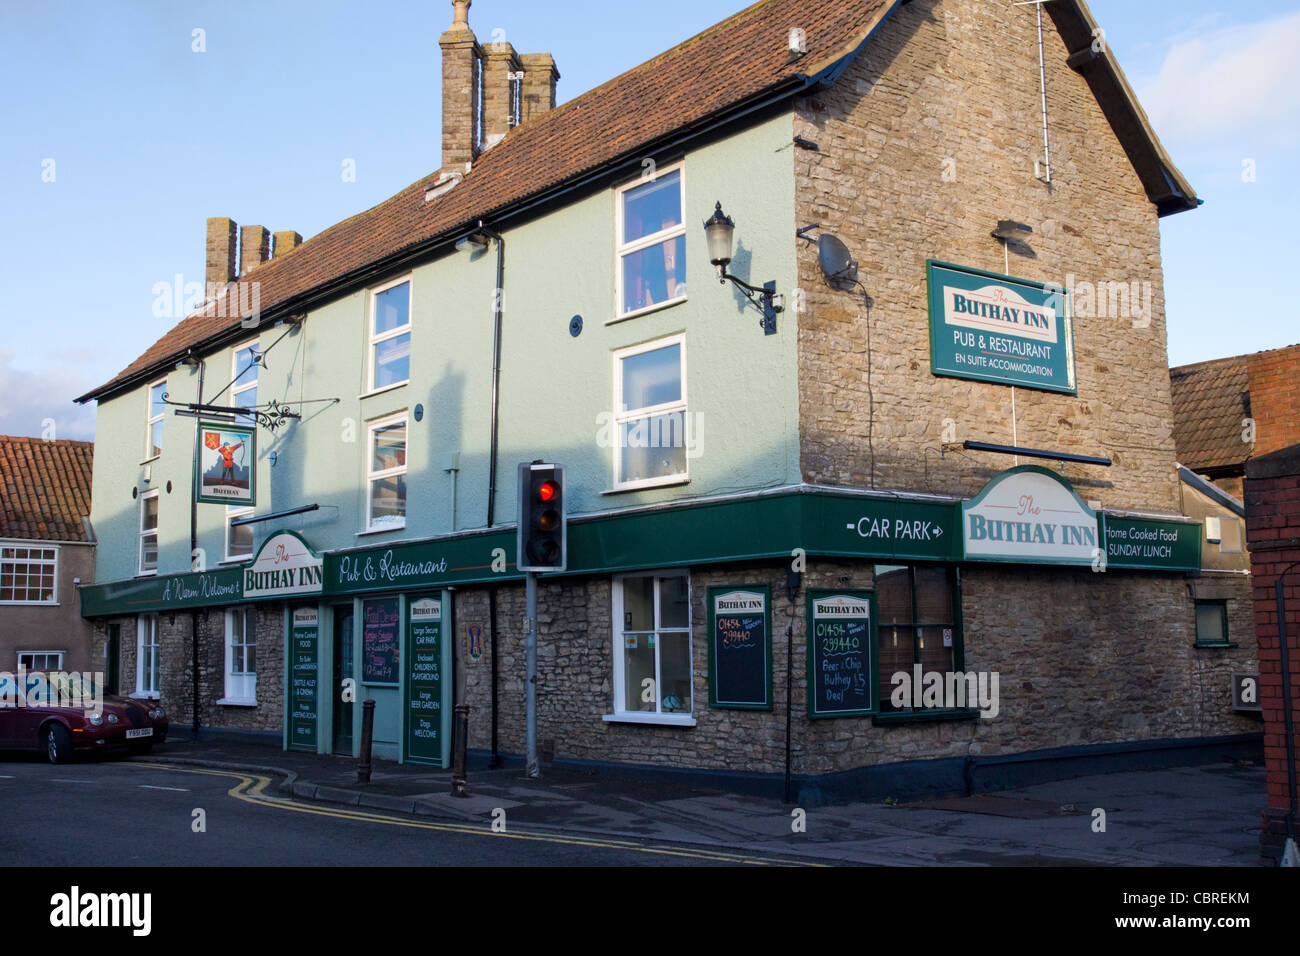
[177,657]
[1082,658]
[925,143]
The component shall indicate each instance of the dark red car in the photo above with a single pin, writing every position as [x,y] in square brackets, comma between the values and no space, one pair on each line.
[63,713]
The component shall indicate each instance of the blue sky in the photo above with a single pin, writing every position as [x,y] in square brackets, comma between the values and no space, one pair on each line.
[144,138]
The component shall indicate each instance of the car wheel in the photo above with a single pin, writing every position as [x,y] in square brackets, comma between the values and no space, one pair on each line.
[58,743]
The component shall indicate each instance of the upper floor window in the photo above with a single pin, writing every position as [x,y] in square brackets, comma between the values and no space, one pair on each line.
[154,425]
[243,394]
[239,538]
[28,575]
[390,335]
[651,227]
[148,532]
[386,474]
[650,414]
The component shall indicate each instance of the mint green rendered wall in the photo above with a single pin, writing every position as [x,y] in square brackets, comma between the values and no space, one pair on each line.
[741,384]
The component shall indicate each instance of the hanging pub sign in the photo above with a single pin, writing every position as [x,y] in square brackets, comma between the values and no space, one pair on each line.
[1030,515]
[841,653]
[994,328]
[225,458]
[740,647]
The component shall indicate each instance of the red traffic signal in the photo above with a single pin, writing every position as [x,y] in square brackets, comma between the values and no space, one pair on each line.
[542,538]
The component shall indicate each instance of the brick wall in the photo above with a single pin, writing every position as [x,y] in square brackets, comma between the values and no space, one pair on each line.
[925,143]
[1275,398]
[1273,529]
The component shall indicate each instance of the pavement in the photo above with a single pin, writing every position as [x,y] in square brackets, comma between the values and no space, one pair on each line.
[1205,815]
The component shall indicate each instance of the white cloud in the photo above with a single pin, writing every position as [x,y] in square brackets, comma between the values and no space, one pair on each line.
[36,403]
[1226,81]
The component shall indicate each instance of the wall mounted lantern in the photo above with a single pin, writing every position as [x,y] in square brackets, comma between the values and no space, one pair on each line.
[718,231]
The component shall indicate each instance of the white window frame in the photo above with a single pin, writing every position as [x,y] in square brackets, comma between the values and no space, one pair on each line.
[56,667]
[235,370]
[241,687]
[151,419]
[141,532]
[619,714]
[622,249]
[372,354]
[147,684]
[28,562]
[232,513]
[373,476]
[623,415]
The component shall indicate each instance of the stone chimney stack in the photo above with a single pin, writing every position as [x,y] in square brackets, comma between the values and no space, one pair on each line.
[254,248]
[499,91]
[461,60]
[221,254]
[286,242]
[540,77]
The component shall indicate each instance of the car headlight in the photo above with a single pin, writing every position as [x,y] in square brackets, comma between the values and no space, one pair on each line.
[112,718]
[157,713]
[95,719]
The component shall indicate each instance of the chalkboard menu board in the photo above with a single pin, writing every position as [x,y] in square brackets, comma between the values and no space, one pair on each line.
[841,653]
[379,651]
[426,724]
[740,647]
[303,661]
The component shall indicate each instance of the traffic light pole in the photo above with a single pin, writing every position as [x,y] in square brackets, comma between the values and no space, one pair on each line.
[530,677]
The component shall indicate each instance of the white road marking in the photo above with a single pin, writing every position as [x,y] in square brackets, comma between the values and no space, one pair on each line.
[66,780]
[5,776]
[145,786]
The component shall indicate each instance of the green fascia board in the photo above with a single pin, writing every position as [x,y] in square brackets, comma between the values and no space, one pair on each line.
[826,522]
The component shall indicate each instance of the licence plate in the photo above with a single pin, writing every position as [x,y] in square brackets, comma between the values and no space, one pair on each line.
[139,732]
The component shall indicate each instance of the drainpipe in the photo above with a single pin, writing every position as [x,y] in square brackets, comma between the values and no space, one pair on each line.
[194,544]
[497,296]
[1288,722]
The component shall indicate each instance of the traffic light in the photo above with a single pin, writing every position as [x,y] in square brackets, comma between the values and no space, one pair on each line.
[543,530]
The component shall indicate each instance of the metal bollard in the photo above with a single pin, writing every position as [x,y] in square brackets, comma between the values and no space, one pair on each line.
[367,732]
[459,741]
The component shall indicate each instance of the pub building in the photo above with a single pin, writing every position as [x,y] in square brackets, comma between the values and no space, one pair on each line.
[853,461]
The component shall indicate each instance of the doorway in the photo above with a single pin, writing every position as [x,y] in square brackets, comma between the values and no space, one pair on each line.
[111,658]
[342,730]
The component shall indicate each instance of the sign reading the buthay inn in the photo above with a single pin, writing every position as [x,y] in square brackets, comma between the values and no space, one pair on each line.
[994,328]
[1030,515]
[284,566]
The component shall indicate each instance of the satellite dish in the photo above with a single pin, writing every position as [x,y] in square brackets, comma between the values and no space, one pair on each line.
[834,258]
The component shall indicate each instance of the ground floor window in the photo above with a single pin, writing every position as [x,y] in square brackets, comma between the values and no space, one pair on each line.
[1211,623]
[652,644]
[148,673]
[919,609]
[241,670]
[40,660]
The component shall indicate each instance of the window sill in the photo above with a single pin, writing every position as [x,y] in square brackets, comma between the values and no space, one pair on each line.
[370,531]
[240,560]
[645,717]
[236,702]
[649,484]
[921,715]
[29,603]
[646,311]
[386,388]
[145,695]
[1216,647]
[147,574]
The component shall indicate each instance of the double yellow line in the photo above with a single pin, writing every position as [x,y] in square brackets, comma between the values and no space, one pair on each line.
[250,788]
